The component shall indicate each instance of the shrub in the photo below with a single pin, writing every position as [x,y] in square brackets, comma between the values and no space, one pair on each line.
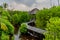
[8,25]
[15,19]
[53,29]
[20,17]
[4,36]
[4,27]
[44,15]
[23,28]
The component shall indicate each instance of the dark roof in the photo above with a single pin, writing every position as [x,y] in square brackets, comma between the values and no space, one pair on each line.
[33,11]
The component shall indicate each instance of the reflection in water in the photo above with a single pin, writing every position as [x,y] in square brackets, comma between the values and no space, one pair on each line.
[16,36]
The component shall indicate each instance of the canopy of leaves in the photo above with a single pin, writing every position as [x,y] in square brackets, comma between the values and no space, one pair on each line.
[6,25]
[44,15]
[19,17]
[53,29]
[10,19]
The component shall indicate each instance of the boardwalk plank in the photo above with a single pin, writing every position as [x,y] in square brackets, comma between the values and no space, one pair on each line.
[38,30]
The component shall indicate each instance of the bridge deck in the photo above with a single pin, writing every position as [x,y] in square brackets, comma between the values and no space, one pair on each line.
[35,29]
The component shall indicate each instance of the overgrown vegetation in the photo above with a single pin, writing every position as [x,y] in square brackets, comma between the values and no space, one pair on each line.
[44,15]
[6,29]
[11,19]
[53,29]
[23,28]
[48,19]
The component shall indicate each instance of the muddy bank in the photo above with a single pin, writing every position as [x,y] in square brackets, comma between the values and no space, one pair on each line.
[25,37]
[28,36]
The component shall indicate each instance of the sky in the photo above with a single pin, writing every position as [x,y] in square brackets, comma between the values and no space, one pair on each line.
[26,5]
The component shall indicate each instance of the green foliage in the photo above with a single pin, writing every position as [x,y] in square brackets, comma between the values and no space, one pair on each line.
[20,17]
[44,15]
[24,17]
[8,25]
[32,16]
[10,19]
[53,29]
[15,19]
[1,8]
[5,14]
[41,17]
[4,27]
[23,28]
[4,36]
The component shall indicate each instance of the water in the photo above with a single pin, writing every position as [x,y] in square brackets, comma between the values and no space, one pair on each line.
[16,36]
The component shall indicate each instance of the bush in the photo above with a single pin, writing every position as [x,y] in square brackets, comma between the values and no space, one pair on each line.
[4,36]
[15,19]
[23,28]
[19,18]
[5,13]
[44,15]
[53,29]
[6,29]
[24,17]
[8,25]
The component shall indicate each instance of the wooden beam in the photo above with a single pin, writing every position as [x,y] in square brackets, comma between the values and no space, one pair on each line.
[35,29]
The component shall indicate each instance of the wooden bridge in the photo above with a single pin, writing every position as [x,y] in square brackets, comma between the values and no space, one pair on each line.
[35,32]
[38,30]
[35,29]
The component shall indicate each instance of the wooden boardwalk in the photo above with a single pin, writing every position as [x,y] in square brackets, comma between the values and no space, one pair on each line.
[38,30]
